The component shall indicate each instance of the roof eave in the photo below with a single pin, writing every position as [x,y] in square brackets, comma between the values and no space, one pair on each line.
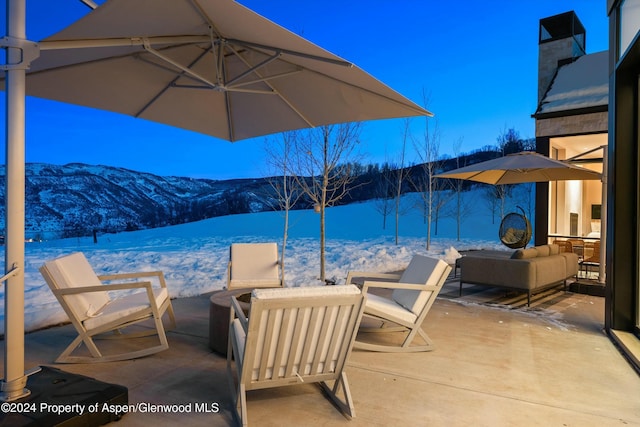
[573,112]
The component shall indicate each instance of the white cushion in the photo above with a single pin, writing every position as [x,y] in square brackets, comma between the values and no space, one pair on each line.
[255,283]
[239,337]
[72,271]
[305,291]
[125,306]
[377,304]
[421,270]
[250,261]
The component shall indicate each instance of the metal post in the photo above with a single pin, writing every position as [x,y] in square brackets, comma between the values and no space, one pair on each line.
[603,217]
[13,385]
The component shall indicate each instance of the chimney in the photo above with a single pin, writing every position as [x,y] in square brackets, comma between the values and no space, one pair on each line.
[562,40]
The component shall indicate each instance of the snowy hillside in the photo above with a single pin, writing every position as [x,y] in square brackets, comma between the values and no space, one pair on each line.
[75,199]
[194,256]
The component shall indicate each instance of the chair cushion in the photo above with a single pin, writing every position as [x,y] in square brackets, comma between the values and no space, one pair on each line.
[73,271]
[251,261]
[305,291]
[254,283]
[239,337]
[377,304]
[421,270]
[121,307]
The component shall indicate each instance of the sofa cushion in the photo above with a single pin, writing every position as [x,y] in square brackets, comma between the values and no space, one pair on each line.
[554,249]
[543,250]
[525,253]
[571,263]
[548,270]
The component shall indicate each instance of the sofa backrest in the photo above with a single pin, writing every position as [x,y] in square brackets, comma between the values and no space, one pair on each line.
[536,251]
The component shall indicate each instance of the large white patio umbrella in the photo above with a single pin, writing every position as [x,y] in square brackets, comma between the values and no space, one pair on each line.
[211,66]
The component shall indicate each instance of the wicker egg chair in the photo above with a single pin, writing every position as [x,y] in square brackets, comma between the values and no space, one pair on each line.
[515,230]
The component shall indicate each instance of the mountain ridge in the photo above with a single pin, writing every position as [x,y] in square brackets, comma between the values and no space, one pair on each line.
[79,199]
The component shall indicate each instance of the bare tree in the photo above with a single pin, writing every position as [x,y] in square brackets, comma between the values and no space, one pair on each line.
[461,208]
[322,169]
[399,176]
[384,193]
[440,199]
[502,192]
[489,195]
[425,183]
[278,161]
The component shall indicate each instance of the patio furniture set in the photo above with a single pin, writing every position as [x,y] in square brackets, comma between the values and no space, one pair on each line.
[281,336]
[277,336]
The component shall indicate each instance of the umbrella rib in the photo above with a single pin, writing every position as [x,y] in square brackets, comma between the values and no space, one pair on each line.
[119,42]
[248,44]
[186,70]
[171,84]
[275,91]
[262,79]
[252,69]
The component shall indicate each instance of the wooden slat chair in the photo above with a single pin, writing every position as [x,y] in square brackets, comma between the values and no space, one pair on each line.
[565,245]
[593,260]
[294,336]
[86,301]
[414,292]
[254,265]
[578,247]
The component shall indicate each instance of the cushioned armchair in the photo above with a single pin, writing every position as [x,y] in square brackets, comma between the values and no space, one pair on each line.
[294,336]
[93,312]
[414,292]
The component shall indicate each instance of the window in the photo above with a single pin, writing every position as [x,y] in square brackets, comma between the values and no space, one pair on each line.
[629,24]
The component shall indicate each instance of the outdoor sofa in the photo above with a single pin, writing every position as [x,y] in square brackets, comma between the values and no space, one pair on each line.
[530,270]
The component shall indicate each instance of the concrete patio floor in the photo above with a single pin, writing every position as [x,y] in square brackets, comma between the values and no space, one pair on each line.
[497,363]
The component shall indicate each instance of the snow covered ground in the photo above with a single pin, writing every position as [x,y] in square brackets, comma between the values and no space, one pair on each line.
[194,256]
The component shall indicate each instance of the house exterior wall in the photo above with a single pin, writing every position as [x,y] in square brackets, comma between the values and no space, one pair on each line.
[573,125]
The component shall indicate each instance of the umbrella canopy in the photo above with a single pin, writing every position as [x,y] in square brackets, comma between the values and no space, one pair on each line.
[519,168]
[211,66]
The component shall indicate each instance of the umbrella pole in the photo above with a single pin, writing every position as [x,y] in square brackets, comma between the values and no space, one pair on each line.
[19,53]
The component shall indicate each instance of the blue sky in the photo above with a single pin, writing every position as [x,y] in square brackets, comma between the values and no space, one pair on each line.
[477,62]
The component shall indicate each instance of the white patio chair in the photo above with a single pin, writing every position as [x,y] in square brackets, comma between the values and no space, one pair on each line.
[254,265]
[294,336]
[86,300]
[414,292]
